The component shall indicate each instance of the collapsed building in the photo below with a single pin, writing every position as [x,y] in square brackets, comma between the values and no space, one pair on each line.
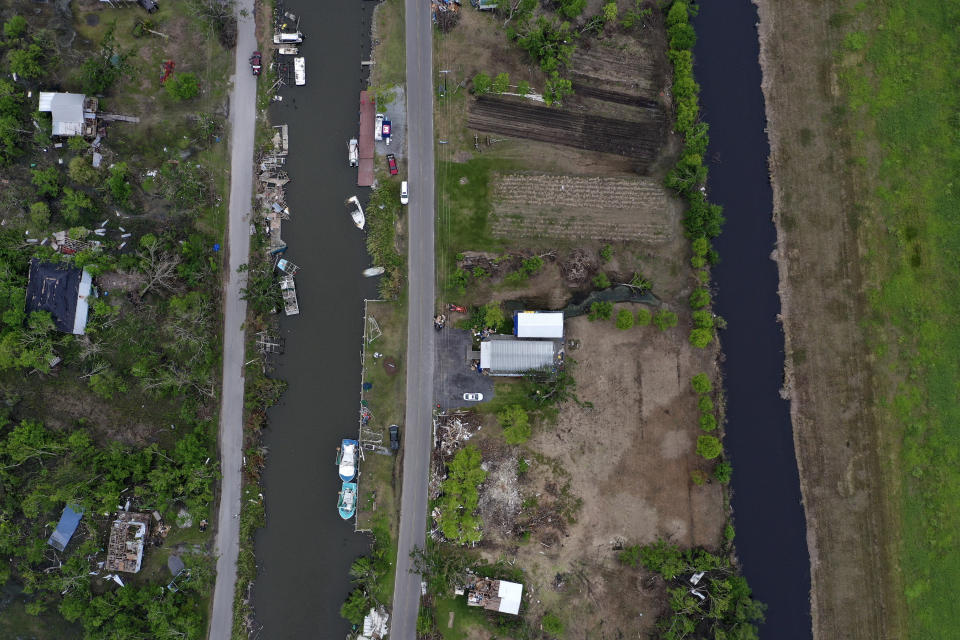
[128,533]
[495,595]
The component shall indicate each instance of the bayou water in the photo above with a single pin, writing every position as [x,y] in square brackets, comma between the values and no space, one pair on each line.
[305,550]
[769,517]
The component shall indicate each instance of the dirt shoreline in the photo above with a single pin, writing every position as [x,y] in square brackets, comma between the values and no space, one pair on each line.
[849,494]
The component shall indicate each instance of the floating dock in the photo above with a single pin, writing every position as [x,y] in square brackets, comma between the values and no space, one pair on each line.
[366,145]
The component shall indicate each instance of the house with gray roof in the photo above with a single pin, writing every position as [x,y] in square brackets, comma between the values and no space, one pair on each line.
[73,114]
[62,290]
[508,356]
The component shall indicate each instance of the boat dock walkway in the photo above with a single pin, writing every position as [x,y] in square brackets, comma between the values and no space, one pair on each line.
[365,139]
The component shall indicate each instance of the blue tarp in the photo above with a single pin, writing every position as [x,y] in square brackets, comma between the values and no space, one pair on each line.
[64,531]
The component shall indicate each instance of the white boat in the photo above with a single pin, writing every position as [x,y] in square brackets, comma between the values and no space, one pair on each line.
[373,271]
[288,37]
[288,50]
[347,459]
[356,211]
[378,127]
[300,71]
[353,152]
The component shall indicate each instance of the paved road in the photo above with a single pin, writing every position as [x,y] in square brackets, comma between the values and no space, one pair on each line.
[417,434]
[243,100]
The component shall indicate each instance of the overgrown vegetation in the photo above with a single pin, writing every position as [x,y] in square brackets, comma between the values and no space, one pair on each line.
[460,496]
[726,608]
[382,214]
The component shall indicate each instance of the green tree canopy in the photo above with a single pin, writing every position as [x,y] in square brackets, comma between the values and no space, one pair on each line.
[709,447]
[183,86]
[625,319]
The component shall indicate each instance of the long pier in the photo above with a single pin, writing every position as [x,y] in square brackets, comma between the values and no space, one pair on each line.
[365,139]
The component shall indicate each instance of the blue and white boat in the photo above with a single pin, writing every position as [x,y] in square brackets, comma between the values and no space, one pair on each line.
[347,502]
[347,459]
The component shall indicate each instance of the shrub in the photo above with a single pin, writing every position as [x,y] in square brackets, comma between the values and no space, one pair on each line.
[699,298]
[700,246]
[630,555]
[722,472]
[664,319]
[708,422]
[601,281]
[703,320]
[523,88]
[705,404]
[492,315]
[600,311]
[728,532]
[481,84]
[47,181]
[624,319]
[516,424]
[40,215]
[607,251]
[709,447]
[700,338]
[183,86]
[556,89]
[610,12]
[701,383]
[80,170]
[698,477]
[552,625]
[501,83]
[571,8]
[74,204]
[120,189]
[15,27]
[698,262]
[643,317]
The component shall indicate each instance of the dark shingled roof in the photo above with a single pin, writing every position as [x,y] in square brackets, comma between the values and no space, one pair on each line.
[55,288]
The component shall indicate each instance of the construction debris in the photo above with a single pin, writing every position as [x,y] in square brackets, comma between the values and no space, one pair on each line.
[127,536]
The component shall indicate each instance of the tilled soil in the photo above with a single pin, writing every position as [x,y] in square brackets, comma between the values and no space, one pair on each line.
[639,139]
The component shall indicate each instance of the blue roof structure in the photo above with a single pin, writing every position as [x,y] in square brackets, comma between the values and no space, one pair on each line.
[64,531]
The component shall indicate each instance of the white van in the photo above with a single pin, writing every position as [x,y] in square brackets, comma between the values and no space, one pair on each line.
[404,196]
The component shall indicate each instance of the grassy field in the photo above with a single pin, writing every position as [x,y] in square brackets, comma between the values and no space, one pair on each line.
[901,90]
[464,618]
[391,58]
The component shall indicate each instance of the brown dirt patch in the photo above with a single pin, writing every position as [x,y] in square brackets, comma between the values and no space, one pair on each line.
[844,479]
[615,473]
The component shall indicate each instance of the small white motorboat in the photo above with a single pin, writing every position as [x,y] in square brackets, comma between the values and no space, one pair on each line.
[353,152]
[300,71]
[373,271]
[356,211]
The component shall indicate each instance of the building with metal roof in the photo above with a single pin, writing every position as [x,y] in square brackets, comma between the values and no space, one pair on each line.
[69,522]
[538,324]
[508,356]
[73,114]
[62,290]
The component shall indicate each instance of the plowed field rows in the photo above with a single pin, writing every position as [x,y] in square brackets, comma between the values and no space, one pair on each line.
[632,72]
[580,207]
[640,140]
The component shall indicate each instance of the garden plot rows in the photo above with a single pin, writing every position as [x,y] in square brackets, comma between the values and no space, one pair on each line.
[635,73]
[580,207]
[639,139]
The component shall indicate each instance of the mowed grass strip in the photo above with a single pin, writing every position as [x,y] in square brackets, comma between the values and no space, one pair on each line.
[903,92]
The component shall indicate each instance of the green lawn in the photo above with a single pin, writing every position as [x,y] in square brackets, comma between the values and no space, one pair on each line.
[391,57]
[464,617]
[903,95]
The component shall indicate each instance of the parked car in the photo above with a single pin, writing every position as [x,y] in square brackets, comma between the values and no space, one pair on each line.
[473,397]
[404,195]
[378,127]
[394,437]
[392,164]
[255,61]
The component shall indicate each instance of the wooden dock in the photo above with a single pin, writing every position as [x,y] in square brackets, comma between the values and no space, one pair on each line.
[366,146]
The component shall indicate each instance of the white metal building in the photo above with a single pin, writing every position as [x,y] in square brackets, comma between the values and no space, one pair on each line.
[507,356]
[538,324]
[71,113]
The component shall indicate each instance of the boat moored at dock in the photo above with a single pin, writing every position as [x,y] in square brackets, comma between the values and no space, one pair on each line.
[347,501]
[356,211]
[347,459]
[353,152]
[300,71]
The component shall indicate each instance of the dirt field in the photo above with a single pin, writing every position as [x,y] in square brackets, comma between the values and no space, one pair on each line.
[567,206]
[604,476]
[844,477]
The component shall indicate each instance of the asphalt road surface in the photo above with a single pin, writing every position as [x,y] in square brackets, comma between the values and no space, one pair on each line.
[420,332]
[243,101]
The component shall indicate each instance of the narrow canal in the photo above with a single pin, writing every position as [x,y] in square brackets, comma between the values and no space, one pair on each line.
[770,522]
[305,550]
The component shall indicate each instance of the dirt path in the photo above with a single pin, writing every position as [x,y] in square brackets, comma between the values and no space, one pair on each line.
[243,101]
[840,446]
